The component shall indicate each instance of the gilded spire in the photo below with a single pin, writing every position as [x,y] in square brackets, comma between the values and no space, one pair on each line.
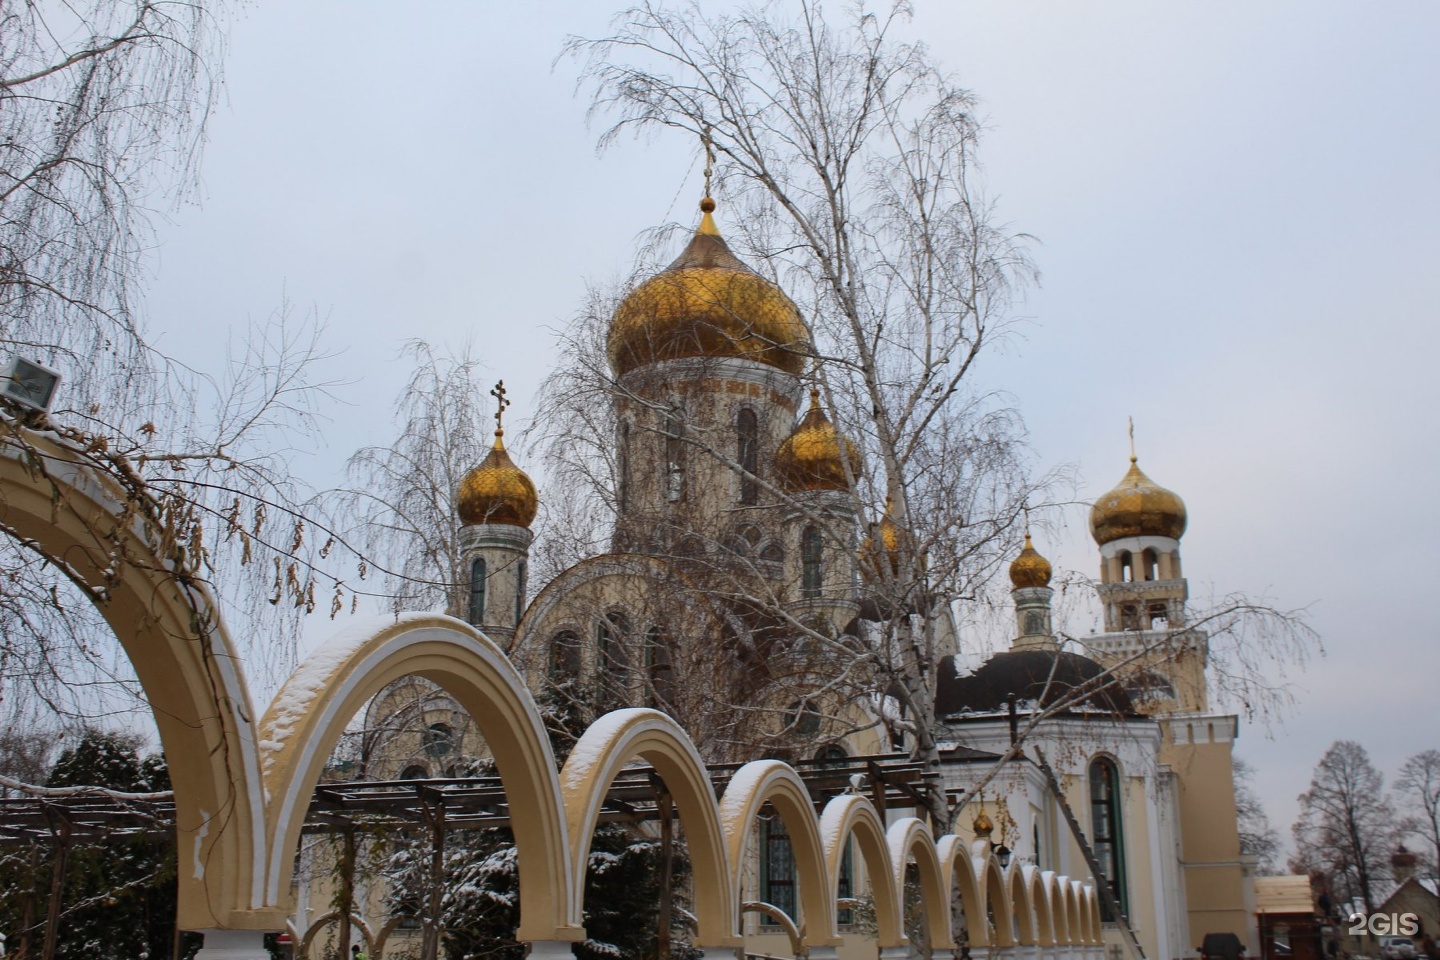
[497,491]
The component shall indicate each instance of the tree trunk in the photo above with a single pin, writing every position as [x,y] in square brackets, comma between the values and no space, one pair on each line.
[345,896]
[61,829]
[430,941]
[667,872]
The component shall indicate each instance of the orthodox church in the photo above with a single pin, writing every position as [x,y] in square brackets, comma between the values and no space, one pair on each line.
[733,501]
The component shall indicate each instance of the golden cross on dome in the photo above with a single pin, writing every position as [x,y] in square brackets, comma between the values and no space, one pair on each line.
[709,156]
[1132,439]
[501,402]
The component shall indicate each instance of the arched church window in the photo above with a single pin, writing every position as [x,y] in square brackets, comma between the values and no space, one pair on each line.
[614,658]
[777,865]
[810,554]
[1150,565]
[804,718]
[438,740]
[564,657]
[1158,615]
[773,552]
[747,454]
[1127,566]
[1130,617]
[414,772]
[477,591]
[1107,831]
[519,591]
[660,666]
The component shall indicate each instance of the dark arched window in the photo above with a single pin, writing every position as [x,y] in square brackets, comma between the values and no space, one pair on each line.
[614,659]
[438,740]
[747,454]
[674,481]
[414,772]
[1127,566]
[477,591]
[810,552]
[564,657]
[1149,565]
[1107,831]
[519,591]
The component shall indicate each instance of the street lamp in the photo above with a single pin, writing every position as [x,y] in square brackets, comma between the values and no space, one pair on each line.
[1002,853]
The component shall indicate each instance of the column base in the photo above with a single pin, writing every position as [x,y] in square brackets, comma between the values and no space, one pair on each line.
[233,945]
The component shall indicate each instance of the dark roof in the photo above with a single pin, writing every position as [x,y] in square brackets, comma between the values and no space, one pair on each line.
[1036,678]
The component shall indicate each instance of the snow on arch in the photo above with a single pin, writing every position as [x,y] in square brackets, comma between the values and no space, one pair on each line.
[330,686]
[997,898]
[849,814]
[955,859]
[193,683]
[745,795]
[1021,910]
[910,838]
[1039,898]
[611,742]
[1078,933]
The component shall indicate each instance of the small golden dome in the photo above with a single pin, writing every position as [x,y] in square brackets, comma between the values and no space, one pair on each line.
[707,304]
[982,825]
[497,491]
[1030,569]
[811,459]
[1137,507]
[889,539]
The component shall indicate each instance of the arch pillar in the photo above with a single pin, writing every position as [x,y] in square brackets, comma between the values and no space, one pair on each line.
[233,945]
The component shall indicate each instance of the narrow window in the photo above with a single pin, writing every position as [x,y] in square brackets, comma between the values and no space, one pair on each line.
[747,454]
[1107,832]
[777,865]
[477,591]
[564,657]
[1130,617]
[1151,564]
[519,591]
[660,666]
[810,552]
[622,466]
[614,660]
[674,458]
[1127,566]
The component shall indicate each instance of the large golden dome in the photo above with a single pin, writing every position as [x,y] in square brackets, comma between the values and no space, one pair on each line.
[1137,507]
[497,491]
[811,459]
[707,304]
[1030,569]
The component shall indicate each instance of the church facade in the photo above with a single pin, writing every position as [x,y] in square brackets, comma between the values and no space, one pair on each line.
[736,522]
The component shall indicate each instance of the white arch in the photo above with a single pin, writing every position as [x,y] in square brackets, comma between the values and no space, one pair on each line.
[749,789]
[613,741]
[333,684]
[70,511]
[847,814]
[911,837]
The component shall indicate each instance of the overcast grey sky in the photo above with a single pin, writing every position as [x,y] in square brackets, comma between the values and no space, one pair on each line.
[1237,208]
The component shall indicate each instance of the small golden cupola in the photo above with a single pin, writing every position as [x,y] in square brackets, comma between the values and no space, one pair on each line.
[497,491]
[1137,507]
[814,457]
[1030,569]
[707,304]
[890,533]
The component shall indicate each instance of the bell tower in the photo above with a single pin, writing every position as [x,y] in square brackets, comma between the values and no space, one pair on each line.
[496,503]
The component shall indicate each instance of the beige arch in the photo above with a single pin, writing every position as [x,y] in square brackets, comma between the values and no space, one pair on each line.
[956,860]
[1060,908]
[776,782]
[615,740]
[850,814]
[997,896]
[334,683]
[1078,934]
[1039,905]
[73,514]
[1096,930]
[911,837]
[1021,914]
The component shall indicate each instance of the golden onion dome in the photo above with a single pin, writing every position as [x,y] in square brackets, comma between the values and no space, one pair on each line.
[1030,569]
[707,304]
[811,458]
[497,491]
[1137,507]
[890,534]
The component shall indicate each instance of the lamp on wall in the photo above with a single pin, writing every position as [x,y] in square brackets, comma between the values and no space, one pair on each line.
[1002,853]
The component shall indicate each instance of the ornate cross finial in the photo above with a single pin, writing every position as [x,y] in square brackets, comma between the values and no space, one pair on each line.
[501,402]
[709,155]
[1132,439]
[1025,509]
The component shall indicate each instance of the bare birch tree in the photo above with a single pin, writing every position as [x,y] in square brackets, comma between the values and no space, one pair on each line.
[1419,783]
[1347,826]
